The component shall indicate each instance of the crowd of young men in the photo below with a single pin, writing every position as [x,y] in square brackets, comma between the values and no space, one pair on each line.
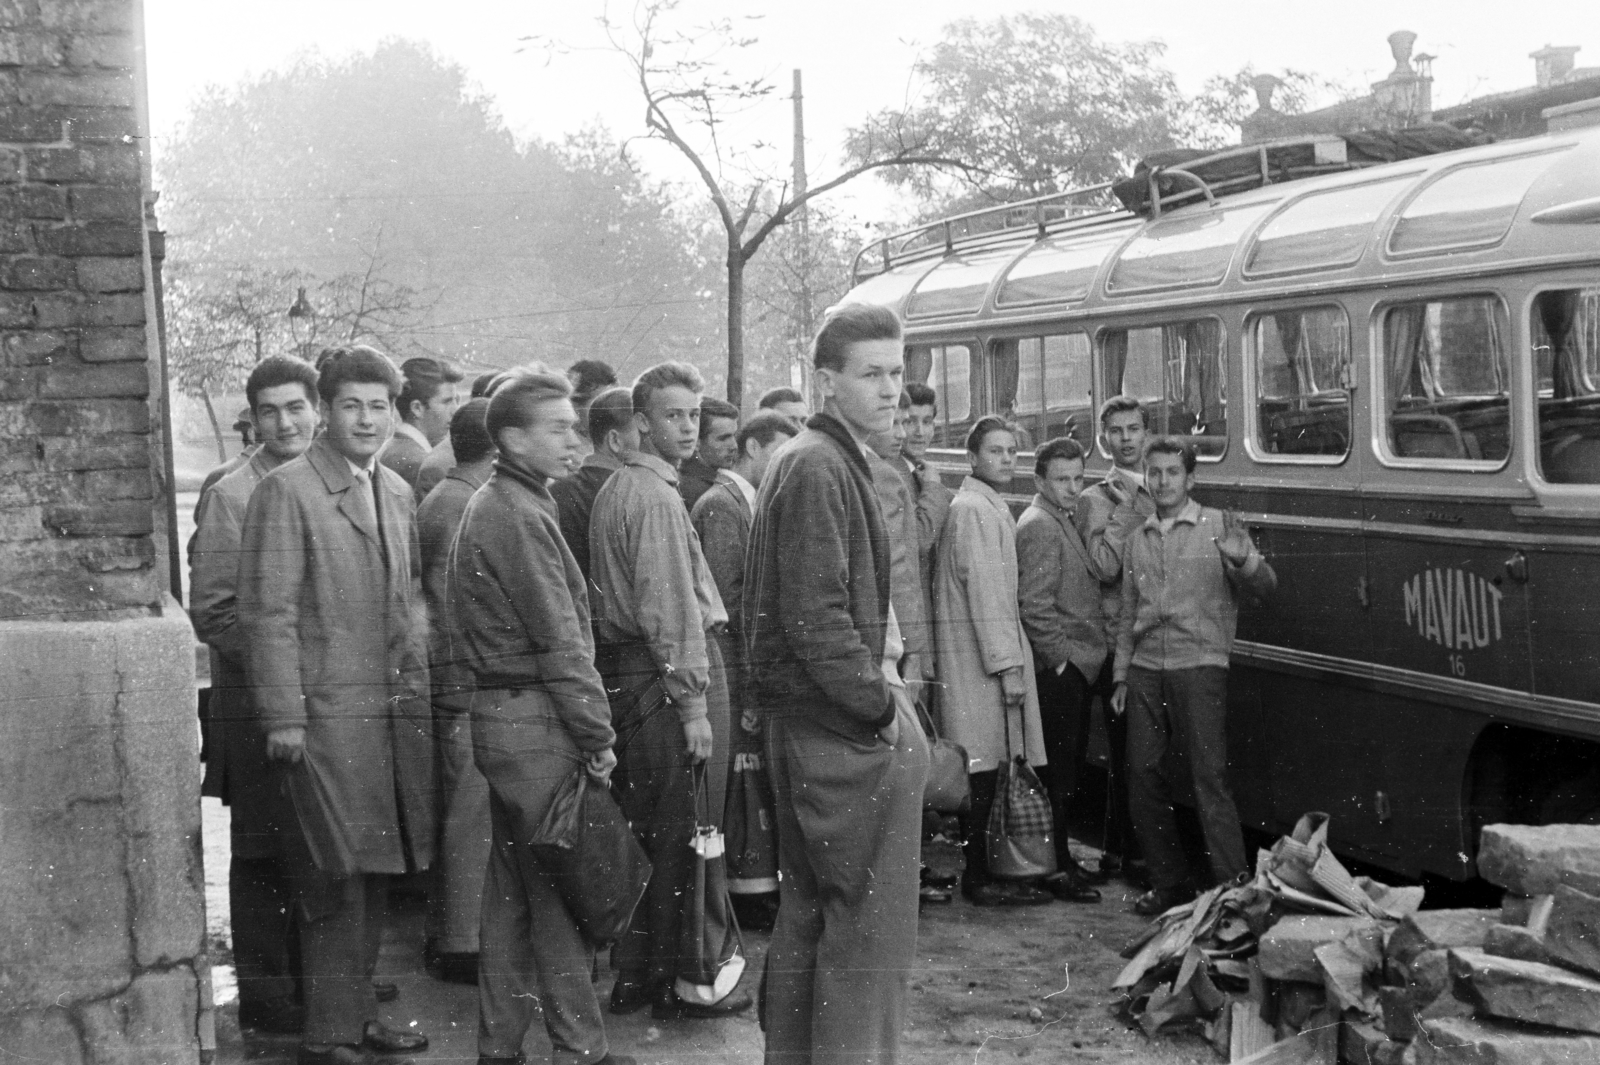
[722,620]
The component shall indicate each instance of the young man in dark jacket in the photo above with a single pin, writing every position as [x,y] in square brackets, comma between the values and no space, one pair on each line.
[539,712]
[847,757]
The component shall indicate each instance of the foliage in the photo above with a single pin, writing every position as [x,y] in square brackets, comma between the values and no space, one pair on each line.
[1036,103]
[690,89]
[391,189]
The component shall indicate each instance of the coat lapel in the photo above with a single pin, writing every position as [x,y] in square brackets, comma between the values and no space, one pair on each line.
[336,475]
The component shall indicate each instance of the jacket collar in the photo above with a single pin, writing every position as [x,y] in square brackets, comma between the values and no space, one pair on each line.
[1189,515]
[983,488]
[412,433]
[828,425]
[470,476]
[262,463]
[601,460]
[521,475]
[1048,505]
[656,465]
[331,466]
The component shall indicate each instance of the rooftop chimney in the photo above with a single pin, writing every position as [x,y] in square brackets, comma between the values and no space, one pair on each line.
[1400,45]
[1551,65]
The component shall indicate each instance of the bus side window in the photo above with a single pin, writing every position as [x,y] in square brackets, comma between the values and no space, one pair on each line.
[1176,370]
[1302,364]
[950,375]
[1042,385]
[1447,388]
[1566,349]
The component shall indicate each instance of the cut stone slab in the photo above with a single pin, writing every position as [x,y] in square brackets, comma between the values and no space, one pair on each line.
[1572,934]
[1288,950]
[1537,859]
[1524,910]
[1440,929]
[1514,941]
[1526,991]
[1473,1041]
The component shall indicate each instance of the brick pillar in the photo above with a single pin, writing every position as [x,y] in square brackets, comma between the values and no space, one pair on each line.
[101,890]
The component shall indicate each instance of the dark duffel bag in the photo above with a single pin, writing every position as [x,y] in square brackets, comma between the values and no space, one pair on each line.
[600,869]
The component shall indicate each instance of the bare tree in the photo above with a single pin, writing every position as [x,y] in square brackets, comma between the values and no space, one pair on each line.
[689,95]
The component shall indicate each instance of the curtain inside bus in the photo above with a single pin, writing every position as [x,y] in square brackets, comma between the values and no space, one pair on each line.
[1448,390]
[1566,348]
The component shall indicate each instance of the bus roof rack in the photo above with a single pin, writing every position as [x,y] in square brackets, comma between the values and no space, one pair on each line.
[1161,181]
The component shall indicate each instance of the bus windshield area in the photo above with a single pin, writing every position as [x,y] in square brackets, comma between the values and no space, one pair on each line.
[1566,360]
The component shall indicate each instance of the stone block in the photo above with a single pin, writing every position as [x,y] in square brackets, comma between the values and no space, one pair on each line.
[40,1036]
[1399,1016]
[1437,929]
[113,345]
[19,384]
[69,418]
[115,518]
[101,202]
[17,310]
[1536,859]
[90,238]
[38,274]
[1526,991]
[31,50]
[1572,933]
[31,127]
[112,309]
[112,451]
[110,275]
[1515,941]
[94,380]
[1471,1041]
[99,125]
[1287,950]
[101,50]
[34,347]
[36,201]
[153,1021]
[76,88]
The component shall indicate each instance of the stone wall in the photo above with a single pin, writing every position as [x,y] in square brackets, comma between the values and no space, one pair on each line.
[101,890]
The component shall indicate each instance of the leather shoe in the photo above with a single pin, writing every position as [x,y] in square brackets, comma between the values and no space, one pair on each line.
[996,894]
[275,1016]
[628,997]
[385,991]
[334,1054]
[1157,901]
[669,1007]
[1069,886]
[385,1040]
[1092,877]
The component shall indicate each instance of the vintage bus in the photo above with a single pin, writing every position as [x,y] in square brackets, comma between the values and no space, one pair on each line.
[1393,373]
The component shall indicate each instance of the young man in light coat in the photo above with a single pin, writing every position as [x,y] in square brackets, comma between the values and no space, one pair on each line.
[1059,593]
[1183,571]
[987,699]
[539,713]
[847,758]
[337,665]
[282,392]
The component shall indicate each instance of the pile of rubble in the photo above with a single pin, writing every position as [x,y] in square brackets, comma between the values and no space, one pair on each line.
[1307,965]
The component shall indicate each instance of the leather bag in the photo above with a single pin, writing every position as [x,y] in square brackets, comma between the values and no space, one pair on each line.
[711,948]
[949,788]
[600,869]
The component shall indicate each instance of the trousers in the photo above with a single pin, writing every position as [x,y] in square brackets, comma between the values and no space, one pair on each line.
[1186,708]
[1064,716]
[1118,821]
[848,810]
[463,850]
[266,948]
[655,781]
[341,929]
[534,961]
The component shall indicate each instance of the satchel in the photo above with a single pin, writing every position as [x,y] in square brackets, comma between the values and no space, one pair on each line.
[1021,837]
[949,788]
[752,855]
[712,947]
[600,869]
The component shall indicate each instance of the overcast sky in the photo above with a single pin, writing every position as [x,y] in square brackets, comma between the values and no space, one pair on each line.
[856,54]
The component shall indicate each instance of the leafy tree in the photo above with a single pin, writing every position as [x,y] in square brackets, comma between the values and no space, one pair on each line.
[391,188]
[1035,103]
[690,92]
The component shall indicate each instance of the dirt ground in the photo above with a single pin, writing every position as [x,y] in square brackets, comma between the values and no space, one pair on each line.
[991,985]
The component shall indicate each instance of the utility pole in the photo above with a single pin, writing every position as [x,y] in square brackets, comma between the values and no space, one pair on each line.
[803,227]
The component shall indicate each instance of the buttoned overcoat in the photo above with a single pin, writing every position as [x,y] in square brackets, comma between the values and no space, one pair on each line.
[978,629]
[335,644]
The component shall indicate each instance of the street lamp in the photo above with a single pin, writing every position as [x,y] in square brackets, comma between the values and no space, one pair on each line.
[302,313]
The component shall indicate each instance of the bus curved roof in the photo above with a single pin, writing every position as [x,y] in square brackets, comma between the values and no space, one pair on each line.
[1506,205]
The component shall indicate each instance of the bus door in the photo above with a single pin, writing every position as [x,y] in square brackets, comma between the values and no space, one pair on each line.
[1448,572]
[1310,733]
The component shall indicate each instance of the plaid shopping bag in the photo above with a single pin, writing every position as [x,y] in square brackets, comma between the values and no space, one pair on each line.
[1021,836]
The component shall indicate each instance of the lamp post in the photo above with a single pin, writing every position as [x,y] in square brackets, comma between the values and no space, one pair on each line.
[301,313]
